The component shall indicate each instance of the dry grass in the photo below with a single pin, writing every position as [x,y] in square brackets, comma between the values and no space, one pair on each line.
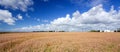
[60,42]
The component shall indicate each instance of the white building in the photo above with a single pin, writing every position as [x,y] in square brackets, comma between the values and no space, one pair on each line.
[106,31]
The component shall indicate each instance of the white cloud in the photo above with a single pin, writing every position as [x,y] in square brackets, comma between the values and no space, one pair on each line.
[7,17]
[19,17]
[95,18]
[62,20]
[17,4]
[97,15]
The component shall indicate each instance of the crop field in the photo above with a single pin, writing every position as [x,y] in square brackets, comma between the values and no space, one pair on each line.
[60,42]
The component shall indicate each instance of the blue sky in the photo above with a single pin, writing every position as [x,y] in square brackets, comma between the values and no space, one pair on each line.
[67,15]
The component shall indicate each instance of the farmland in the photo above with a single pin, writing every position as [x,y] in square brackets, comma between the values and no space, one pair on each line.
[60,42]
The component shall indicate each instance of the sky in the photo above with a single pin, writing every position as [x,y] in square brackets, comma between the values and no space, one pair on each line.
[59,15]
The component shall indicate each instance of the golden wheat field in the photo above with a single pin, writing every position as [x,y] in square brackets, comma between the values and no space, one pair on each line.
[60,42]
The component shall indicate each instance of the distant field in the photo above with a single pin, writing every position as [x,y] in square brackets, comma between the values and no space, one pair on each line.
[60,42]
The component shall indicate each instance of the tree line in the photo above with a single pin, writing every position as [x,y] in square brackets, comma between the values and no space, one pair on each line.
[118,30]
[49,31]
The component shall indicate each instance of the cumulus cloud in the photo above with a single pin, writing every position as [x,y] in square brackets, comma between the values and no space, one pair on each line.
[7,17]
[95,18]
[62,20]
[19,17]
[16,4]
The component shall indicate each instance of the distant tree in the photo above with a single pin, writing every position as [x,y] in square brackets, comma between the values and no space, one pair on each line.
[115,30]
[4,32]
[94,30]
[51,31]
[40,31]
[61,31]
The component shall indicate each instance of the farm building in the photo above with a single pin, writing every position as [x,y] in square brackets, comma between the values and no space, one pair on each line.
[106,31]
